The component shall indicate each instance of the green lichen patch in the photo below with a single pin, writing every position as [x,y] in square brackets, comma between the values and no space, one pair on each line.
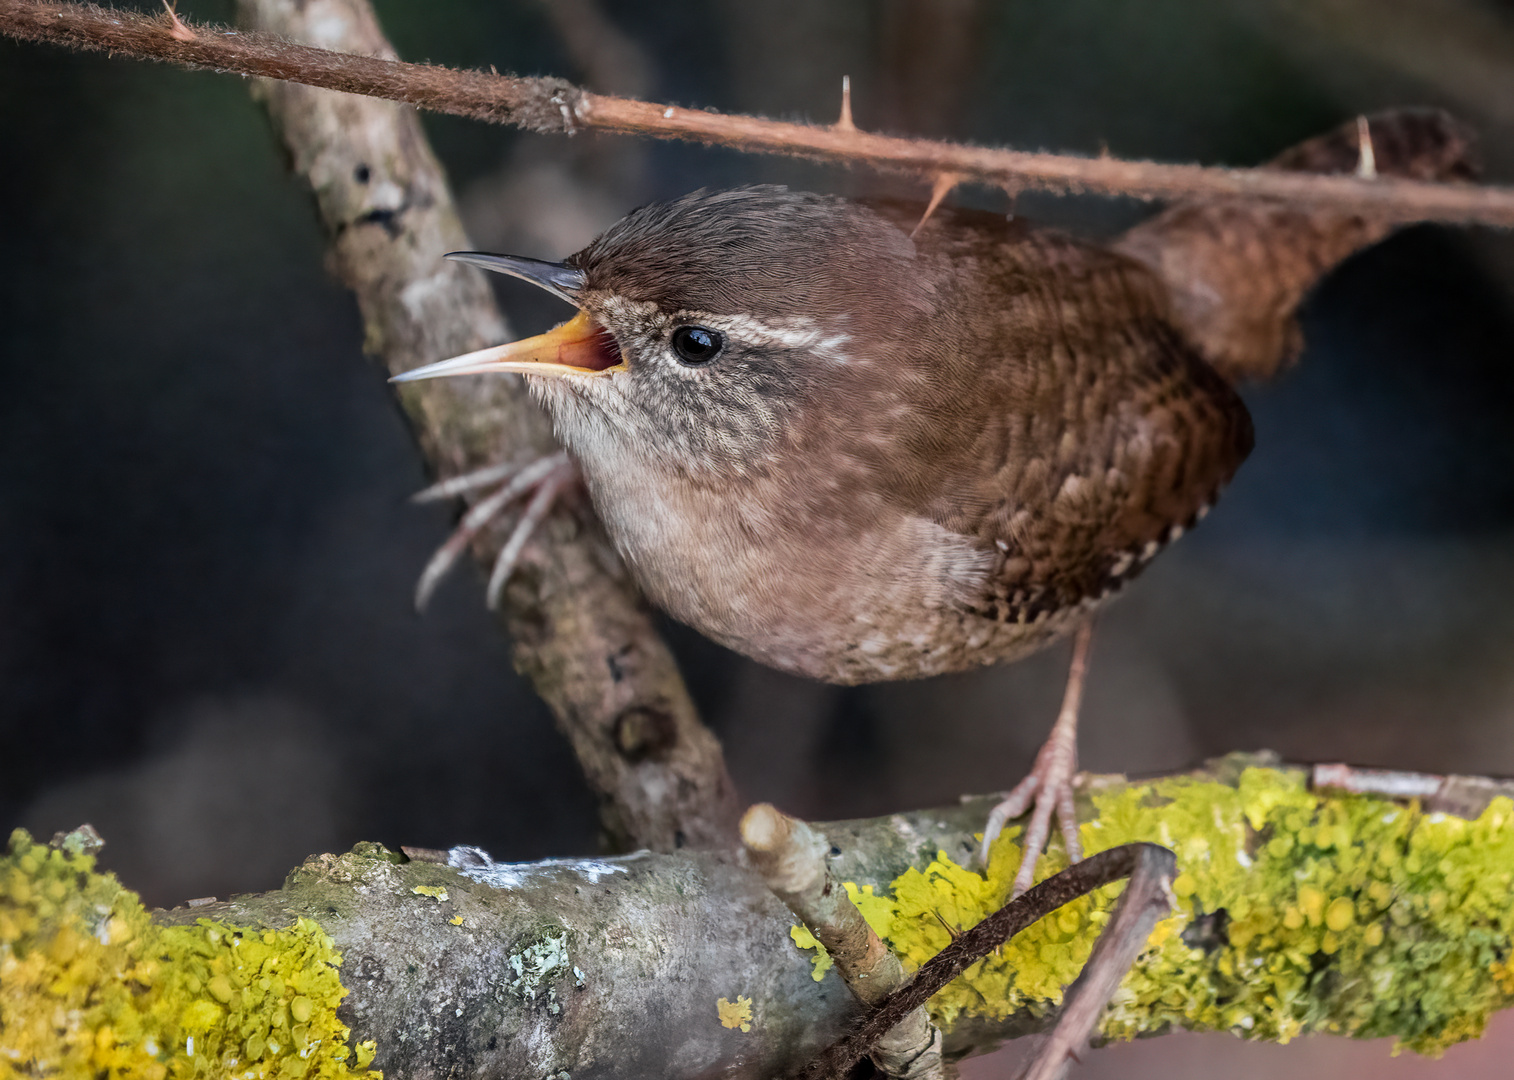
[91,988]
[367,864]
[1298,911]
[539,963]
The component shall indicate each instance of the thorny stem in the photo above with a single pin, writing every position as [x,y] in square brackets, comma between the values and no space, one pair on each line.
[553,105]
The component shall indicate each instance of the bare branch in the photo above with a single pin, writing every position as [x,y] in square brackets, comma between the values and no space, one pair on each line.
[547,104]
[579,630]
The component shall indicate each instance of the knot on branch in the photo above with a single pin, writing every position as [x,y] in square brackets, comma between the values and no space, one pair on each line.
[645,732]
[547,105]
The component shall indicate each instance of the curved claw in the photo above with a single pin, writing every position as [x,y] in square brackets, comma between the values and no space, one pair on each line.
[549,474]
[457,485]
[536,510]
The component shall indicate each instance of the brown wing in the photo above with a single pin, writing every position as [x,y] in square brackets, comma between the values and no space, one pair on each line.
[1101,434]
[1238,268]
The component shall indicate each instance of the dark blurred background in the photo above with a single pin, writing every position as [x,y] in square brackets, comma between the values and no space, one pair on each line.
[207,557]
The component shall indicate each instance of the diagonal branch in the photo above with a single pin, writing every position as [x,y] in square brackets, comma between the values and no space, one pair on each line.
[579,631]
[553,105]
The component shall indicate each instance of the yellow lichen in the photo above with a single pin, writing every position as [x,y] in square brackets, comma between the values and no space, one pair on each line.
[436,892]
[821,962]
[90,987]
[1297,911]
[877,910]
[735,1015]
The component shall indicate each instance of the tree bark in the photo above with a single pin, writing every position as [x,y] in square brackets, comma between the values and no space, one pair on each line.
[580,631]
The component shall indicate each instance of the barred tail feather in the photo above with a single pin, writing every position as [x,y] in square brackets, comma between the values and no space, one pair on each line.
[1237,269]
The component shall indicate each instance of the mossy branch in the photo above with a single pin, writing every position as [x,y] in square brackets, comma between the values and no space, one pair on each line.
[1298,911]
[550,104]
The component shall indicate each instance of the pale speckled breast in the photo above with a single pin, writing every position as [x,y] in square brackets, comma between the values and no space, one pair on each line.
[843,607]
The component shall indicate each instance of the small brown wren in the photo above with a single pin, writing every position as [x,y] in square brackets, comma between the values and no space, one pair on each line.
[857,448]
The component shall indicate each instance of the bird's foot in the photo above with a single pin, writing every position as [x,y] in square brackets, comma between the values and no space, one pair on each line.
[543,480]
[1049,787]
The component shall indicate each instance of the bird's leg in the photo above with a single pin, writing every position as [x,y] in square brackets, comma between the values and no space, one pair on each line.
[543,479]
[1049,785]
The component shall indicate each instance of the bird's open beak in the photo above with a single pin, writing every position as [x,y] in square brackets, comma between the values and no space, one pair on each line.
[579,347]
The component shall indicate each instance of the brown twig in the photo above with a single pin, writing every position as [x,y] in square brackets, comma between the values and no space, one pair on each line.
[791,857]
[1460,795]
[1146,899]
[1155,864]
[548,104]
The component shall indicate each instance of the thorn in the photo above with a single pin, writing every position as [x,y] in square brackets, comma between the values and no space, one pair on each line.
[953,934]
[844,121]
[177,30]
[1013,191]
[1366,161]
[940,190]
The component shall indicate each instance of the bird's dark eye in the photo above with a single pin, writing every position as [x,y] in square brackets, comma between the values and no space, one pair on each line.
[696,345]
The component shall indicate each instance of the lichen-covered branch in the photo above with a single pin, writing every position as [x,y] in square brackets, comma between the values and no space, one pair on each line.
[579,631]
[549,104]
[1298,911]
[1147,897]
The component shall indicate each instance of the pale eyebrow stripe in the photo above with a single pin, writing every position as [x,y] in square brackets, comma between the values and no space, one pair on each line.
[794,334]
